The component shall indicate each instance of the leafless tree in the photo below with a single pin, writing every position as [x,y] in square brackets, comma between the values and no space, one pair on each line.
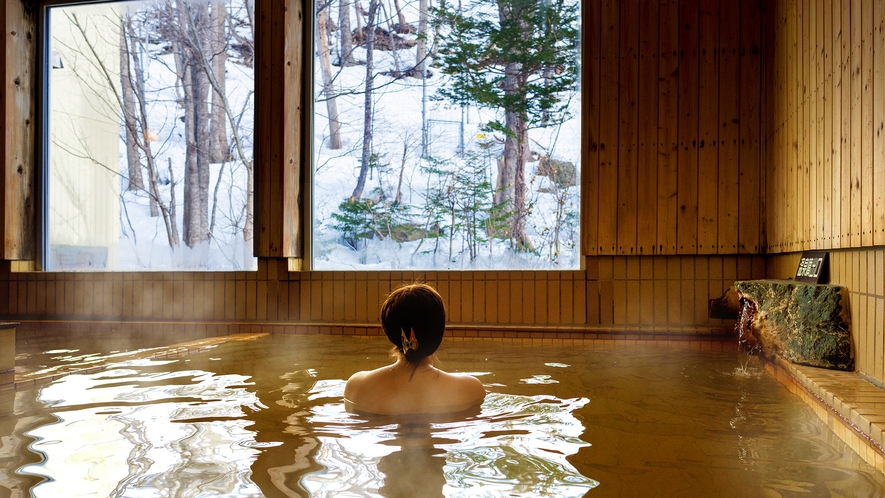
[184,17]
[345,35]
[324,49]
[137,71]
[133,159]
[137,127]
[199,74]
[367,106]
[219,148]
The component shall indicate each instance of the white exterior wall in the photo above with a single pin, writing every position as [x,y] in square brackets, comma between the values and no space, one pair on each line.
[84,128]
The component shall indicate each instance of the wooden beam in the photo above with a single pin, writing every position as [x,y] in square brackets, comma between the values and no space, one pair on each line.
[591,133]
[280,162]
[17,181]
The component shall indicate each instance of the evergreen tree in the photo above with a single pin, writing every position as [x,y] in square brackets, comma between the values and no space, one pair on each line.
[517,56]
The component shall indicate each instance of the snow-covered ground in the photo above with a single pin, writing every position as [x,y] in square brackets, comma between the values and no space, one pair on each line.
[143,243]
[398,122]
[397,110]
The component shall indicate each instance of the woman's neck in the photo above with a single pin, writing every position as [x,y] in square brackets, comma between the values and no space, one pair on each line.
[425,364]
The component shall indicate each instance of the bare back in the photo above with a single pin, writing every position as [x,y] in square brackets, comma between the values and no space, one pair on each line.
[403,389]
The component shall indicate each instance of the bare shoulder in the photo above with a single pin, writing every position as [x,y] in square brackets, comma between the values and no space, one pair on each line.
[468,387]
[354,383]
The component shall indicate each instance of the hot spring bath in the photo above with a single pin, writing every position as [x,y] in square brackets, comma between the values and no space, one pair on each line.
[563,418]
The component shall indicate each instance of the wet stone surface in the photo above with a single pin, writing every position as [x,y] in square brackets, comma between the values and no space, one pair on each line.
[804,323]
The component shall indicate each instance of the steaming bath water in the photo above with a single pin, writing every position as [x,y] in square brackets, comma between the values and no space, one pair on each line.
[265,417]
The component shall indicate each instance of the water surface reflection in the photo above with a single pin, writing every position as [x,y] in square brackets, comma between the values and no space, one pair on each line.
[515,446]
[266,418]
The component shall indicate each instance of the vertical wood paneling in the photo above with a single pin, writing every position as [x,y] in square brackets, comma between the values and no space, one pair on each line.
[856,138]
[793,90]
[628,123]
[668,101]
[850,119]
[825,23]
[687,181]
[820,101]
[813,120]
[750,171]
[836,168]
[774,153]
[801,221]
[803,127]
[516,299]
[879,123]
[845,168]
[828,100]
[591,82]
[866,76]
[608,125]
[729,129]
[646,227]
[708,129]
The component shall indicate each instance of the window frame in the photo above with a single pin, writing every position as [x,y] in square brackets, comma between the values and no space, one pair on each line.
[42,70]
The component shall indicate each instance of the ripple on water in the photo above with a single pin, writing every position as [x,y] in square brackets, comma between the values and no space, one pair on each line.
[516,446]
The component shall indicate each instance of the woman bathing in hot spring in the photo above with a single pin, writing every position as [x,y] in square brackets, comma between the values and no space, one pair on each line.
[414,319]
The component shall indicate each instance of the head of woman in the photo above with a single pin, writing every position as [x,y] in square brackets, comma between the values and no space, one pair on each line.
[414,319]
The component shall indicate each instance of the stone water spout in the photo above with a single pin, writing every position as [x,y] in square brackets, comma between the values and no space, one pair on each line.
[804,323]
[743,327]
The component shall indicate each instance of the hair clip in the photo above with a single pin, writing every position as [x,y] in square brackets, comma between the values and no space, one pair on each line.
[409,343]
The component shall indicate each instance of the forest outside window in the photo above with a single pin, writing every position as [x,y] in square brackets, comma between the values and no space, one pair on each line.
[148,155]
[447,135]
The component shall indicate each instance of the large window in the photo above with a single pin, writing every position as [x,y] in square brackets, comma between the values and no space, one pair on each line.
[148,155]
[446,134]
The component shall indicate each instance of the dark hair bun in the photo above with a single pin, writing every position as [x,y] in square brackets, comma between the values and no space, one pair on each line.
[418,308]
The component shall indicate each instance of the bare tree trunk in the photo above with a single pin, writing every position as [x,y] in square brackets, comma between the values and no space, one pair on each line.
[367,114]
[172,200]
[324,49]
[156,202]
[133,159]
[421,51]
[195,86]
[359,15]
[219,148]
[196,43]
[423,16]
[402,169]
[345,35]
[250,202]
[511,186]
[401,19]
[515,155]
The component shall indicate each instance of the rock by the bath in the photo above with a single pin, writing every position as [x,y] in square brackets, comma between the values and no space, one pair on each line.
[803,323]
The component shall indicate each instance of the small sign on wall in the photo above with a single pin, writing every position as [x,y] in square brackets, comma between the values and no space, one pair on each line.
[813,267]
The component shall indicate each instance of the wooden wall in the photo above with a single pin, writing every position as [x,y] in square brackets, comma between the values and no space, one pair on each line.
[279,157]
[824,152]
[670,217]
[18,218]
[618,294]
[673,118]
[824,138]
